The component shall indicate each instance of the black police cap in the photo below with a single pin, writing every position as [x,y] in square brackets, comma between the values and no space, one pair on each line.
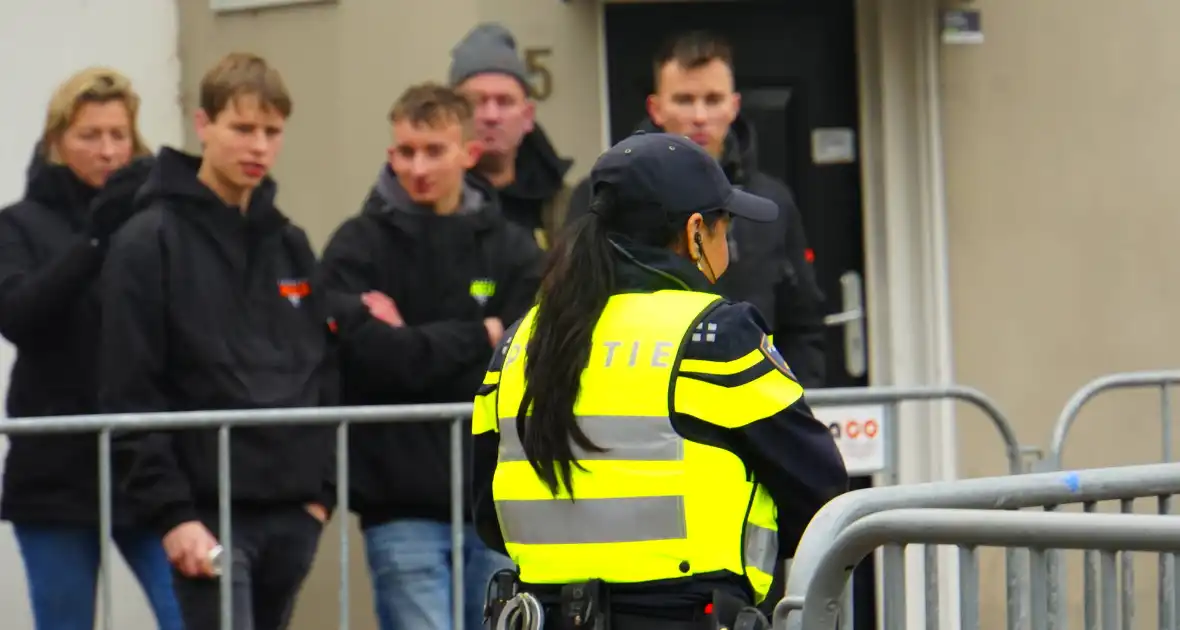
[663,173]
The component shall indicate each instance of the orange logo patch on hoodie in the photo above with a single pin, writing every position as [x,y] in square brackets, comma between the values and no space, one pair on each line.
[294,290]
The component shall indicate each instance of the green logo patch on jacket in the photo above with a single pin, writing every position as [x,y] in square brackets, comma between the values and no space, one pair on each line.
[482,289]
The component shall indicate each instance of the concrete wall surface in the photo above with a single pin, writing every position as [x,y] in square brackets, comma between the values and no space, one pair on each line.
[1059,139]
[42,43]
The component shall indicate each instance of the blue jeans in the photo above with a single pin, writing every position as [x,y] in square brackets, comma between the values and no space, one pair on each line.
[410,565]
[61,563]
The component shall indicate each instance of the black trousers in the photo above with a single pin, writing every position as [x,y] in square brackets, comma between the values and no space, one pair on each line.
[272,555]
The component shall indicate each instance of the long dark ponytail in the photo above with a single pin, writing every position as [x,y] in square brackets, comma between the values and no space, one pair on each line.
[578,281]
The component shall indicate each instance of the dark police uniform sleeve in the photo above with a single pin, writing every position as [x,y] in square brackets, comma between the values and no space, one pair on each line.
[735,391]
[485,449]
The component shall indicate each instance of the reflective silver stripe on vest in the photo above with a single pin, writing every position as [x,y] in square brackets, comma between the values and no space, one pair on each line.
[564,522]
[634,438]
[760,547]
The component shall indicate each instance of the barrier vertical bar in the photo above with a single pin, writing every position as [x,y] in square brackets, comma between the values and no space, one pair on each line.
[105,495]
[225,533]
[1090,581]
[1054,584]
[968,588]
[1127,573]
[1110,593]
[457,522]
[1014,578]
[342,516]
[933,597]
[1038,577]
[894,587]
[1167,562]
[892,557]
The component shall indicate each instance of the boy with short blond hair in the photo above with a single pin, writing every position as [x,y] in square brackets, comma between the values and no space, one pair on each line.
[438,274]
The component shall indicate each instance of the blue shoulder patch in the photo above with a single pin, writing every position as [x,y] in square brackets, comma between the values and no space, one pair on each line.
[772,354]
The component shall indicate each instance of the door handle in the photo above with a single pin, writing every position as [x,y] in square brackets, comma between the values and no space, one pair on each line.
[852,318]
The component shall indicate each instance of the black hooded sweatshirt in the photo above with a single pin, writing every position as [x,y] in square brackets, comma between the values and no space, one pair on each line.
[49,311]
[208,308]
[768,265]
[540,177]
[437,270]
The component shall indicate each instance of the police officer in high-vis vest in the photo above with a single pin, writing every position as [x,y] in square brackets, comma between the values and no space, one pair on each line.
[641,450]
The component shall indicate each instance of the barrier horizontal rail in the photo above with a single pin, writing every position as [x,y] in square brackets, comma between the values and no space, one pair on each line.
[994,493]
[234,418]
[816,607]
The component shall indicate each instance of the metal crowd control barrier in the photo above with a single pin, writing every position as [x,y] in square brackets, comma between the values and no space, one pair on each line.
[885,458]
[969,529]
[224,421]
[995,493]
[878,428]
[1167,593]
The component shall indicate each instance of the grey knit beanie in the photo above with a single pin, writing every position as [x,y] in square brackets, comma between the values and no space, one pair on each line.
[489,47]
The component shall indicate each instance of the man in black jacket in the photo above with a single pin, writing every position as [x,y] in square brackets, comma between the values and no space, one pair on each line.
[518,158]
[210,302]
[769,264]
[441,273]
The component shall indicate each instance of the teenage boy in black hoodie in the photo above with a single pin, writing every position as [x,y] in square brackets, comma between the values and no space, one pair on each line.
[440,273]
[209,302]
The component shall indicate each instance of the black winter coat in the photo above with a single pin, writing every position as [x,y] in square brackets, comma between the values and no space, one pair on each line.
[445,274]
[49,311]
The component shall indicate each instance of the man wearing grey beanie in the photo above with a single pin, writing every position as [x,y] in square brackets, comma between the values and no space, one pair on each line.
[518,159]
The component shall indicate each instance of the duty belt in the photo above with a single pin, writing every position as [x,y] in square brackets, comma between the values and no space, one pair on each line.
[586,606]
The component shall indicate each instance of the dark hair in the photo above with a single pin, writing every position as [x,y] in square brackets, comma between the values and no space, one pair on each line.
[692,50]
[578,282]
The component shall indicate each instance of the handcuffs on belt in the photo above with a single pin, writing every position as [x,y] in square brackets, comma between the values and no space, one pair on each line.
[583,605]
[508,609]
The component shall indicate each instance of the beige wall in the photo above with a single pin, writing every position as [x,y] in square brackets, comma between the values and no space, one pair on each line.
[1060,135]
[345,63]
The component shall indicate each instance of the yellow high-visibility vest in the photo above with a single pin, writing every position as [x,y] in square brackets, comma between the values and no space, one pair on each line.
[653,506]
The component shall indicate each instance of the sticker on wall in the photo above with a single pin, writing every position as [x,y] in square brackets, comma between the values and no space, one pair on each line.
[962,26]
[833,145]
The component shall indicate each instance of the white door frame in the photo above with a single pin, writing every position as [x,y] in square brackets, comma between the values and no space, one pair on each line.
[906,250]
[906,275]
